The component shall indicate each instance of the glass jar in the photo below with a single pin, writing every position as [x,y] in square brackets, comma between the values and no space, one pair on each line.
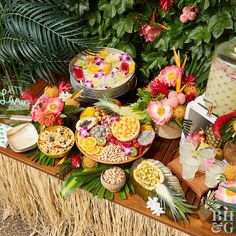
[221,86]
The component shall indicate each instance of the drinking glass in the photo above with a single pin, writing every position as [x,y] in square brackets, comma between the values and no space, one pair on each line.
[205,154]
[211,175]
[186,149]
[190,166]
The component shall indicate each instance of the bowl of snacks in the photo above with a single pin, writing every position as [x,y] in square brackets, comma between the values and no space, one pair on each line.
[56,141]
[113,139]
[113,179]
[109,73]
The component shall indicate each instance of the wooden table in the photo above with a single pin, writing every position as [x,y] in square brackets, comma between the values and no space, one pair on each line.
[163,150]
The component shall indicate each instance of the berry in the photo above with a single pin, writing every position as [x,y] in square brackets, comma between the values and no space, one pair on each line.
[135,141]
[112,140]
[137,145]
[184,18]
[186,10]
[192,16]
[139,152]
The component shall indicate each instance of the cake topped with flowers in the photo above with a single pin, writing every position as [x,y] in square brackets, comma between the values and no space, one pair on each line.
[106,69]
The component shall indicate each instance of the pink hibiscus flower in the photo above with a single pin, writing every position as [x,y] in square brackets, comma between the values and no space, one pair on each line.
[36,111]
[150,32]
[159,112]
[55,105]
[224,194]
[170,74]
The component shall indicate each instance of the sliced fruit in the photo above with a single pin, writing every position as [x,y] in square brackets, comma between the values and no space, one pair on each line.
[134,152]
[103,54]
[80,140]
[90,59]
[106,69]
[131,68]
[92,69]
[88,122]
[94,151]
[80,63]
[87,148]
[101,142]
[146,137]
[89,142]
[146,127]
[88,112]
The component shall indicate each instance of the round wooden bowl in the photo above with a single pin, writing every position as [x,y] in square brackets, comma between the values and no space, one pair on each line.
[113,187]
[62,154]
[96,157]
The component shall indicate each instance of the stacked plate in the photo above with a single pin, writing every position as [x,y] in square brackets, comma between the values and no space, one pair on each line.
[22,138]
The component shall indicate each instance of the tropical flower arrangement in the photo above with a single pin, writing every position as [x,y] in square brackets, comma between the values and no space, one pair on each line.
[166,97]
[50,108]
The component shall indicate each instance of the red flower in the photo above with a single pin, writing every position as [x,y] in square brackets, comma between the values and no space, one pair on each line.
[150,32]
[189,79]
[220,121]
[76,161]
[28,96]
[64,86]
[190,97]
[157,87]
[166,4]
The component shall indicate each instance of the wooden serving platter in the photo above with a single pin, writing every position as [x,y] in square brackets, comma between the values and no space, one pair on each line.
[96,157]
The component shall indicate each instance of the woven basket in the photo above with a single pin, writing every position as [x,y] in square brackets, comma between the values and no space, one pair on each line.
[169,130]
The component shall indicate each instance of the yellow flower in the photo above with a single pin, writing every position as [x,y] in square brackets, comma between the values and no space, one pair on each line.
[230,172]
[92,69]
[179,112]
[51,91]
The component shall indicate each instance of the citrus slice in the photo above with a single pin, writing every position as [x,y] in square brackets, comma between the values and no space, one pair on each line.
[90,59]
[120,76]
[80,63]
[94,151]
[106,69]
[86,148]
[146,127]
[103,54]
[92,69]
[89,142]
[80,140]
[88,112]
[131,68]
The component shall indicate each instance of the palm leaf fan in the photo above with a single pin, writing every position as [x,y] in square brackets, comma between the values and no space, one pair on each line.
[42,33]
[111,108]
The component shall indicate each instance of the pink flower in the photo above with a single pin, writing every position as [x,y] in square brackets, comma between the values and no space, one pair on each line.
[84,132]
[150,32]
[170,74]
[159,112]
[88,84]
[192,16]
[187,9]
[172,94]
[173,102]
[124,57]
[99,74]
[98,61]
[114,70]
[126,150]
[208,163]
[28,96]
[64,86]
[189,79]
[55,105]
[224,194]
[36,111]
[184,18]
[76,161]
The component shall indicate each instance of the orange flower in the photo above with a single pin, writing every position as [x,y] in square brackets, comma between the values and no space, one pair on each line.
[48,118]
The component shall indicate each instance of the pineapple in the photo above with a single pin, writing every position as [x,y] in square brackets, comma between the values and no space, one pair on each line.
[211,139]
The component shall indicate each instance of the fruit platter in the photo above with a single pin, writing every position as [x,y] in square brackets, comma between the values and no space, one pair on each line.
[113,139]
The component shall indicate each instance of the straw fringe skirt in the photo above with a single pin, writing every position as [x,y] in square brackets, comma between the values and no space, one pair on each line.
[35,196]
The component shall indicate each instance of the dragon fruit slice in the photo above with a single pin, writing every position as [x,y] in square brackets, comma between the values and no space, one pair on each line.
[146,137]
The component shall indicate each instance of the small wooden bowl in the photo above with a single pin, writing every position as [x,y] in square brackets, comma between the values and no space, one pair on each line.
[113,187]
[62,154]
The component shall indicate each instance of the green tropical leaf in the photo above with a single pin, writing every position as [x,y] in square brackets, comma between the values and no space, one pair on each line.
[199,34]
[219,22]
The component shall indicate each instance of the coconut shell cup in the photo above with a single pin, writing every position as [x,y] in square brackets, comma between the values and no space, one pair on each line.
[113,187]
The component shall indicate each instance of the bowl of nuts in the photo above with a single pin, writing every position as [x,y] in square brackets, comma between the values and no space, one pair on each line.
[113,179]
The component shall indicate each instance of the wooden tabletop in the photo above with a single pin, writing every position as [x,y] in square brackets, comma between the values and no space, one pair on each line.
[163,150]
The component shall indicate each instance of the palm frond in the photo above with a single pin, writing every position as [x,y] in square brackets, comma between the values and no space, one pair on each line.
[187,126]
[42,33]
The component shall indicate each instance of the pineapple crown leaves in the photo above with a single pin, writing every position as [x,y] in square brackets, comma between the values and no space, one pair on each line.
[108,106]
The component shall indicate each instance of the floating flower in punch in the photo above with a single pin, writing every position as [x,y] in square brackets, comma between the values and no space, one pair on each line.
[159,112]
[150,32]
[170,74]
[224,194]
[157,87]
[54,105]
[124,57]
[98,61]
[89,84]
[99,74]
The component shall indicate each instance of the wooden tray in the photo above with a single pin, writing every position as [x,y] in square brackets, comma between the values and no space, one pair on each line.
[95,157]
